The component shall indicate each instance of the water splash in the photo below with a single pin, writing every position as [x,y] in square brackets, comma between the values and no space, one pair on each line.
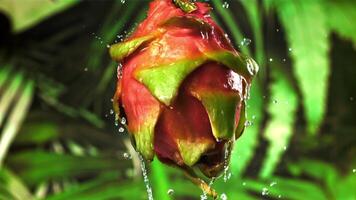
[204,196]
[225,5]
[245,42]
[265,191]
[226,162]
[145,178]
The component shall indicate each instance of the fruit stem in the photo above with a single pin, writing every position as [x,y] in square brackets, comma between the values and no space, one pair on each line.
[186,5]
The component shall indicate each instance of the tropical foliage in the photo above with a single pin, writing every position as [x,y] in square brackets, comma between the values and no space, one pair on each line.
[58,135]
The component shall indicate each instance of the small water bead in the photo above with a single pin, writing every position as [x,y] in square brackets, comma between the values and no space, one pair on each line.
[270,59]
[108,46]
[223,196]
[272,184]
[121,130]
[86,69]
[123,120]
[265,191]
[354,171]
[127,155]
[275,101]
[245,42]
[204,35]
[117,124]
[123,1]
[285,148]
[284,60]
[252,66]
[279,196]
[170,192]
[225,5]
[204,196]
[244,183]
[248,123]
[111,111]
[351,98]
[289,49]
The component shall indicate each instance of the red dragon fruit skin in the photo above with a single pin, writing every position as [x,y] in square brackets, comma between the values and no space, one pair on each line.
[182,87]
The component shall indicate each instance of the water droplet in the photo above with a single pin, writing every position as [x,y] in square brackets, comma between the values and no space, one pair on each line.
[265,191]
[107,46]
[117,124]
[145,178]
[244,183]
[279,196]
[123,1]
[121,130]
[204,35]
[284,60]
[223,196]
[275,101]
[170,191]
[289,49]
[351,98]
[127,155]
[248,123]
[354,171]
[252,66]
[245,42]
[277,30]
[272,184]
[111,111]
[86,69]
[253,116]
[270,59]
[285,148]
[225,5]
[123,120]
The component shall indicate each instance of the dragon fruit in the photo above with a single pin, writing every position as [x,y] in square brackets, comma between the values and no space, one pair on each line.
[182,87]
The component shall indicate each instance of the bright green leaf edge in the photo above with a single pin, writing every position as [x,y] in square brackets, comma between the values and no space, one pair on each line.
[123,49]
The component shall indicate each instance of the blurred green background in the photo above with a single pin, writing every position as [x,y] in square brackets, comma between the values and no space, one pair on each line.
[58,138]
